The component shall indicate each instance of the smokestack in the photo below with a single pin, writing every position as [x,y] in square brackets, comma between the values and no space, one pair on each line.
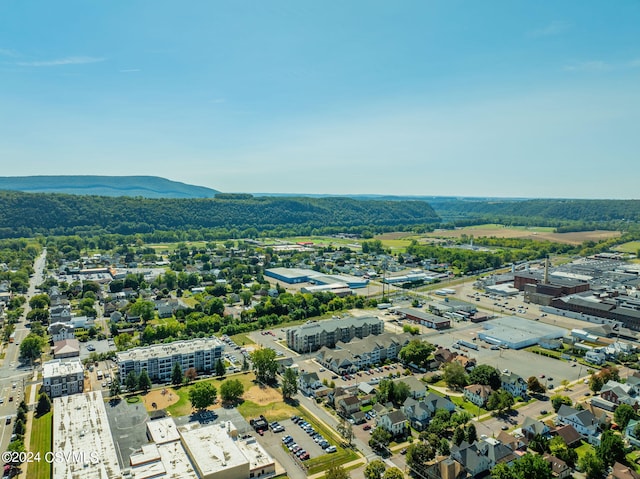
[546,270]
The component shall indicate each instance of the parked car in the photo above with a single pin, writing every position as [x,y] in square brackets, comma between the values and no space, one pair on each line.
[366,427]
[331,449]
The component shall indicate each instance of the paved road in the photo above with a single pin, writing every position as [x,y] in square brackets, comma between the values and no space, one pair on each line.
[14,377]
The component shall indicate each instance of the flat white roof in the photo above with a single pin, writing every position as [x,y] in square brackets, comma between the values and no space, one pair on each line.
[169,349]
[254,452]
[212,449]
[163,430]
[58,367]
[168,460]
[81,429]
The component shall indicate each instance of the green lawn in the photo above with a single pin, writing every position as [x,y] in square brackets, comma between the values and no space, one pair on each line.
[273,412]
[467,405]
[583,448]
[242,339]
[41,441]
[183,406]
[630,247]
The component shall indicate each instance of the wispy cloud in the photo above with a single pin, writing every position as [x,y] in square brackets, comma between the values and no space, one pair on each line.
[589,66]
[634,63]
[7,52]
[62,61]
[217,100]
[130,70]
[554,28]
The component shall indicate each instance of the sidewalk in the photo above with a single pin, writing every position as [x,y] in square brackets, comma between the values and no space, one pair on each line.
[31,406]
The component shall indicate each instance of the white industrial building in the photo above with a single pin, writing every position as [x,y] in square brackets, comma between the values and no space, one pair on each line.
[61,378]
[517,333]
[199,452]
[158,359]
[82,437]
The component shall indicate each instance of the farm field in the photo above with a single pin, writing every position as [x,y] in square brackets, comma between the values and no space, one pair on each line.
[630,247]
[540,234]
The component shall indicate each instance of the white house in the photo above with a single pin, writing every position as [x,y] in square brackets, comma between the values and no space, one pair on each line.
[394,422]
[514,384]
[478,394]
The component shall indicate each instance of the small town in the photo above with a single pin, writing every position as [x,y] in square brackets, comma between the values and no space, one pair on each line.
[406,367]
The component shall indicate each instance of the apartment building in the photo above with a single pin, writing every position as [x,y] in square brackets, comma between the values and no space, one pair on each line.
[312,336]
[62,378]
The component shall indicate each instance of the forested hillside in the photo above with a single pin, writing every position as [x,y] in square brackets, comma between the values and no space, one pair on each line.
[25,214]
[562,213]
[145,186]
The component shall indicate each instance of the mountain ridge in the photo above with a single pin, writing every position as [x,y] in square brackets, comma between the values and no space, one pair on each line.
[103,185]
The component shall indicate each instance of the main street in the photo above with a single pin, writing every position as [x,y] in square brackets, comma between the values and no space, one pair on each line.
[14,376]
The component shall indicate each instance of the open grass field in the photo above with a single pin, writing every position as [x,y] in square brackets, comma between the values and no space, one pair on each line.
[540,234]
[242,339]
[170,247]
[41,441]
[182,407]
[630,247]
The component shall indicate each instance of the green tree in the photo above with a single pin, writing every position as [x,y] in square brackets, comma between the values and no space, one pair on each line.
[40,301]
[245,363]
[401,392]
[486,375]
[202,395]
[416,352]
[458,436]
[471,435]
[380,438]
[44,404]
[557,401]
[19,428]
[144,382]
[131,381]
[502,471]
[419,454]
[177,377]
[143,308]
[220,369]
[374,469]
[31,347]
[591,465]
[336,472]
[611,448]
[231,390]
[500,401]
[16,446]
[455,375]
[444,448]
[393,473]
[534,386]
[345,429]
[559,448]
[264,364]
[115,389]
[539,444]
[532,466]
[623,414]
[289,384]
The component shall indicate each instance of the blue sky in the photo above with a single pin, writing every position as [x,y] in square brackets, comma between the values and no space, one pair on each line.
[467,98]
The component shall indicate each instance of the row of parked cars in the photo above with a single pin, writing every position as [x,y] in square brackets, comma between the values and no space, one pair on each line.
[295,449]
[316,436]
[276,426]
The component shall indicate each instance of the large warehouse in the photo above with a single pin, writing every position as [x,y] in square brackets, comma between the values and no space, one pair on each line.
[517,333]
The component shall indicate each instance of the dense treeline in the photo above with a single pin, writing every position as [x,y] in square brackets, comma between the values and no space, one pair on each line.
[564,214]
[24,214]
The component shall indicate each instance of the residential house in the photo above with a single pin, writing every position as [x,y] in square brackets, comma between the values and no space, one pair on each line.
[533,427]
[481,456]
[67,348]
[339,361]
[630,433]
[559,468]
[60,331]
[514,384]
[617,393]
[417,413]
[478,394]
[417,389]
[308,383]
[380,409]
[583,421]
[435,402]
[515,442]
[442,356]
[569,435]
[467,363]
[347,405]
[394,422]
[620,471]
[446,467]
